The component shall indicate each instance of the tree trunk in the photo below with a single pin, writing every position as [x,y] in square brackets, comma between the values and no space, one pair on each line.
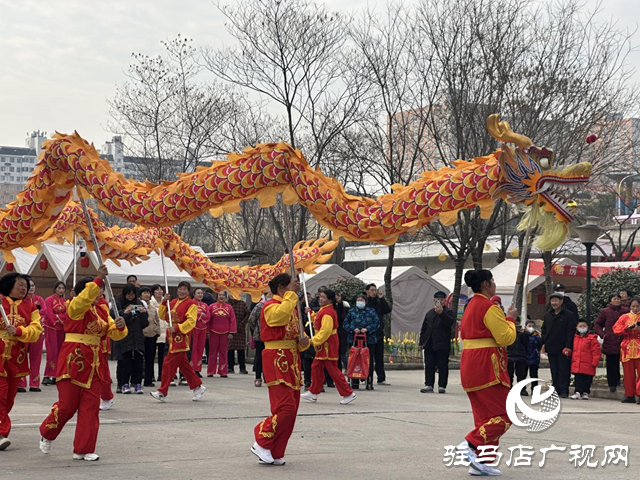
[520,293]
[548,265]
[457,285]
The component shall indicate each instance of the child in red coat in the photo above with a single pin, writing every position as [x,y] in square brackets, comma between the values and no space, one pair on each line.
[585,357]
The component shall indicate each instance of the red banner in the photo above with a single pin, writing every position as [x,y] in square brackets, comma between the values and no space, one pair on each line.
[536,268]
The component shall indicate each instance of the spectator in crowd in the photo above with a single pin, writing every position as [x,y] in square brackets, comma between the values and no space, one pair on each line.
[133,280]
[342,308]
[558,331]
[156,299]
[151,333]
[34,349]
[610,341]
[435,339]
[254,328]
[209,299]
[55,317]
[567,302]
[239,341]
[628,327]
[199,332]
[222,327]
[376,300]
[534,344]
[132,346]
[314,303]
[625,297]
[363,319]
[585,357]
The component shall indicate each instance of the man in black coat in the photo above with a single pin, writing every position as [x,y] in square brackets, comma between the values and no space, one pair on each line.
[558,330]
[567,302]
[435,339]
[380,305]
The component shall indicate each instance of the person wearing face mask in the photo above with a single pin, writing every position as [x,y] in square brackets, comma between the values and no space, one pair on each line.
[363,319]
[628,327]
[558,330]
[585,357]
[435,339]
[603,327]
[24,328]
[534,344]
[54,320]
[35,348]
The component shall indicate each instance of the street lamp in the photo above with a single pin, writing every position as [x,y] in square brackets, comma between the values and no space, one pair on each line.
[589,234]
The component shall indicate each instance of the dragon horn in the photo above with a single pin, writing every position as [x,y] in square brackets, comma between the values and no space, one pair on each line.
[502,132]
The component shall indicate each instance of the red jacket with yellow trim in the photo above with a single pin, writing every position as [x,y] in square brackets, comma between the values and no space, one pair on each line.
[79,361]
[13,352]
[56,312]
[326,341]
[487,366]
[184,315]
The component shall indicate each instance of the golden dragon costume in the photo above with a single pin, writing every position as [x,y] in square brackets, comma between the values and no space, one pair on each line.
[517,171]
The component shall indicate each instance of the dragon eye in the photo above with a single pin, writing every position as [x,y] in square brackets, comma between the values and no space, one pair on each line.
[544,162]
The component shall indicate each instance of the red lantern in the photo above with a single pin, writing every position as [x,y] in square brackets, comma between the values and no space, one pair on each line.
[44,264]
[10,267]
[84,262]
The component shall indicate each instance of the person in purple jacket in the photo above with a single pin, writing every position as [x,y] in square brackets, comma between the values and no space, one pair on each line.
[611,342]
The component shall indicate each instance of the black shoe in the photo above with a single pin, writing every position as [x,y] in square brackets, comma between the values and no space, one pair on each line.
[369,386]
[427,389]
[198,374]
[53,381]
[613,389]
[224,376]
[209,376]
[628,400]
[47,381]
[34,389]
[149,384]
[355,386]
[119,390]
[22,390]
[244,372]
[322,391]
[564,395]
[331,385]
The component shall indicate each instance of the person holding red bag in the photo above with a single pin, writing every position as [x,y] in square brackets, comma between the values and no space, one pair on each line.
[363,319]
[327,347]
[585,357]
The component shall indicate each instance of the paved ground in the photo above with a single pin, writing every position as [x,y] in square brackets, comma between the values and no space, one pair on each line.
[393,432]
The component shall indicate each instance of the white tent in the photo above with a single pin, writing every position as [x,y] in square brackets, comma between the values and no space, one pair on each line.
[325,275]
[413,292]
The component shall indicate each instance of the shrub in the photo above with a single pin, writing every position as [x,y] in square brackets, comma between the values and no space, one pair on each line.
[349,288]
[607,284]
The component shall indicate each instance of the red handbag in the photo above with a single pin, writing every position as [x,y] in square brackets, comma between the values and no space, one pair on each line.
[358,365]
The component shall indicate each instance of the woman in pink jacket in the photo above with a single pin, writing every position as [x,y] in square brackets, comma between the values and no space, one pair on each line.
[222,326]
[55,317]
[199,332]
[585,357]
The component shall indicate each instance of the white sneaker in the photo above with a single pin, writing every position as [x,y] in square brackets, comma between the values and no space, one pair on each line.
[45,445]
[480,469]
[182,381]
[276,461]
[384,383]
[198,392]
[89,457]
[158,396]
[585,396]
[106,404]
[309,397]
[174,383]
[469,454]
[4,443]
[348,399]
[575,396]
[262,453]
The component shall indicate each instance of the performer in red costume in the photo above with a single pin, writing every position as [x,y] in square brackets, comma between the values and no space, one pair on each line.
[79,379]
[280,332]
[106,395]
[628,326]
[326,344]
[222,326]
[486,333]
[199,333]
[184,314]
[35,348]
[55,316]
[24,327]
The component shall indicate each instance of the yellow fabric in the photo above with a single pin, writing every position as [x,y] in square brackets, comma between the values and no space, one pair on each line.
[30,333]
[281,344]
[162,312]
[278,315]
[113,333]
[325,331]
[82,303]
[503,331]
[190,323]
[82,338]
[473,343]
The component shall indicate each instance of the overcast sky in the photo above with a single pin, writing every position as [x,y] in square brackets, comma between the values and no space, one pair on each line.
[60,60]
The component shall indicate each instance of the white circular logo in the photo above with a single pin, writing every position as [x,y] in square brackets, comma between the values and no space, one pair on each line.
[534,420]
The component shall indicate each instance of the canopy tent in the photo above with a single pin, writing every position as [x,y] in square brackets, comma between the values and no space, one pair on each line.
[325,275]
[24,262]
[413,292]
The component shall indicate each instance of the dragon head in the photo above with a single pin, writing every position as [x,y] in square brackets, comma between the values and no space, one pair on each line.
[528,176]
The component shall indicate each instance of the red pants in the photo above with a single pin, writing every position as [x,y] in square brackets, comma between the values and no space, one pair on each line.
[8,390]
[218,345]
[489,407]
[198,339]
[631,370]
[169,368]
[35,360]
[105,377]
[53,340]
[72,399]
[273,432]
[317,377]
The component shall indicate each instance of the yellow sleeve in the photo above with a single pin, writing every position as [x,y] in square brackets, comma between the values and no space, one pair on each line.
[278,315]
[192,316]
[503,331]
[82,303]
[324,333]
[162,312]
[31,333]
[113,333]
